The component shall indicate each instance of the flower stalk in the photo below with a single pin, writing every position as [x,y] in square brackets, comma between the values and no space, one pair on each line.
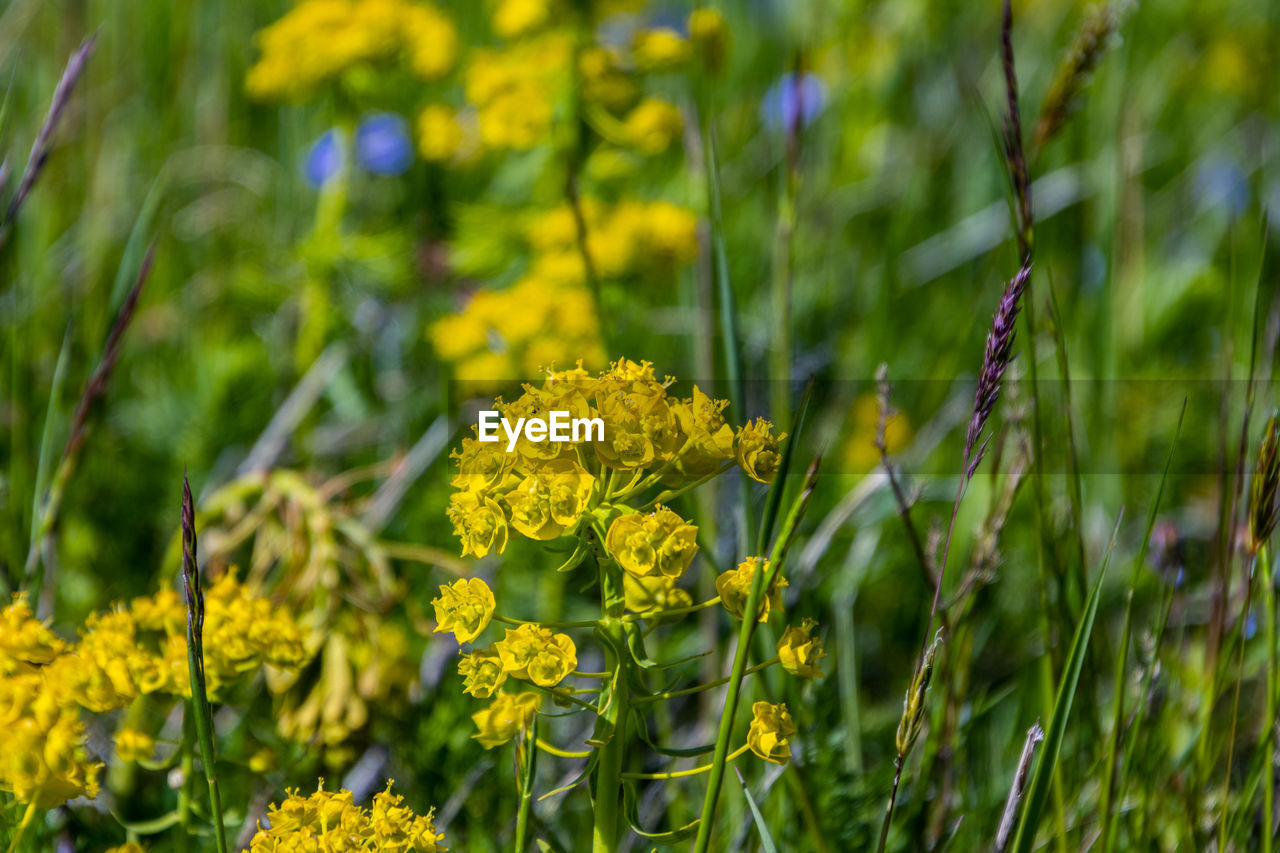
[195,661]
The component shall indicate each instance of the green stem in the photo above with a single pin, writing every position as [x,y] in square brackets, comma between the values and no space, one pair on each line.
[27,816]
[689,691]
[759,586]
[528,771]
[604,835]
[1269,721]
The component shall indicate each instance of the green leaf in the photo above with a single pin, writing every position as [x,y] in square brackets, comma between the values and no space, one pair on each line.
[1038,792]
[672,836]
[766,838]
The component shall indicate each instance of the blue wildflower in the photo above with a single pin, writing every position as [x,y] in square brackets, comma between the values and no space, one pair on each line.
[382,144]
[802,96]
[324,159]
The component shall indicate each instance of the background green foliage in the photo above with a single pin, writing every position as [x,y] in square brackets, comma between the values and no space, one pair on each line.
[1151,204]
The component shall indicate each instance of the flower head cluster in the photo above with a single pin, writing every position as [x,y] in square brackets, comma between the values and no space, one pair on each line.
[326,820]
[545,489]
[320,39]
[122,653]
[536,654]
[499,334]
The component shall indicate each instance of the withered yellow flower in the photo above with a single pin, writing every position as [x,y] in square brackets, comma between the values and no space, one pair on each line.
[799,651]
[771,730]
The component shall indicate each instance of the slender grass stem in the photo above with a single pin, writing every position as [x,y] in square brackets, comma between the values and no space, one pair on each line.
[759,587]
[528,771]
[693,771]
[689,691]
[1235,707]
[28,815]
[1269,721]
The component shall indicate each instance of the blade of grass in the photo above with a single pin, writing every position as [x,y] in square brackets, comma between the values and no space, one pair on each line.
[1038,793]
[766,838]
[195,662]
[1107,835]
[774,502]
[759,585]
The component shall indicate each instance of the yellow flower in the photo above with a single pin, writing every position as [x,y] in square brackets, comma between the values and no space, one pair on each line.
[671,232]
[710,37]
[756,450]
[25,642]
[659,542]
[464,607]
[800,652]
[653,593]
[482,673]
[652,125]
[860,452]
[734,586]
[506,715]
[128,847]
[133,745]
[45,760]
[659,49]
[332,822]
[708,438]
[770,732]
[514,18]
[535,653]
[479,522]
[439,133]
[319,39]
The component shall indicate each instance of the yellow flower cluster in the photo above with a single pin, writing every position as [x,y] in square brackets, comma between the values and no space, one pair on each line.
[545,489]
[319,39]
[623,239]
[506,716]
[501,334]
[535,654]
[333,822]
[514,90]
[121,654]
[548,316]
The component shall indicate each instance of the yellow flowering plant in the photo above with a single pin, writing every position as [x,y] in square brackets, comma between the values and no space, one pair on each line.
[612,495]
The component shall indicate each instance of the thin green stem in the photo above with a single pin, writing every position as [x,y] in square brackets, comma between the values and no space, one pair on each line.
[1269,721]
[27,817]
[528,771]
[692,771]
[689,691]
[760,584]
[509,620]
[604,836]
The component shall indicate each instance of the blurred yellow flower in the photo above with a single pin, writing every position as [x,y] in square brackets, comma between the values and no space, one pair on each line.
[659,49]
[653,125]
[319,39]
[506,715]
[710,37]
[439,133]
[134,745]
